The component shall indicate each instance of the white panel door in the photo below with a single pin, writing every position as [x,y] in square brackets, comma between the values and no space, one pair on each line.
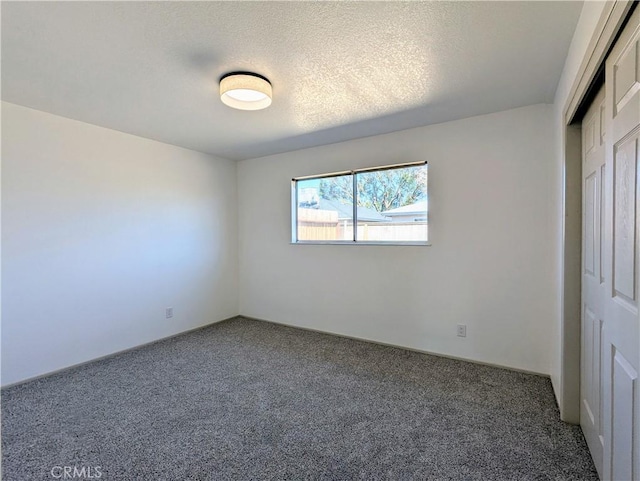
[621,335]
[593,286]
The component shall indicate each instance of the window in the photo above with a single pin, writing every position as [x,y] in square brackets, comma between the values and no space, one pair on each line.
[382,205]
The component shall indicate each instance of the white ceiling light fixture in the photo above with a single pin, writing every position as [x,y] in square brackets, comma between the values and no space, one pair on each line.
[245,91]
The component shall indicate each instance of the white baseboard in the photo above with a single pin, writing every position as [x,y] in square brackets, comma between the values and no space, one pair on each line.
[51,373]
[373,341]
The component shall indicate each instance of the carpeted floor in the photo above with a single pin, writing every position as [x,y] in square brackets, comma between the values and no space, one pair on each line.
[251,400]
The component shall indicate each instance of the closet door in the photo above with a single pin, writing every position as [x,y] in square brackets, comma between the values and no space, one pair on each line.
[593,286]
[621,335]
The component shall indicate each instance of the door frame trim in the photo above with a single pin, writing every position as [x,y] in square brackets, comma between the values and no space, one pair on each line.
[607,29]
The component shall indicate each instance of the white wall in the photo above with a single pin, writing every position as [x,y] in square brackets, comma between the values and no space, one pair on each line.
[585,28]
[112,223]
[101,231]
[491,265]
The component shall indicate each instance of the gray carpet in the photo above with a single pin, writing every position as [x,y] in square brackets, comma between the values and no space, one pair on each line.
[251,400]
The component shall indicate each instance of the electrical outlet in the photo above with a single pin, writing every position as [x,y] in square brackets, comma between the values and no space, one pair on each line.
[462,330]
[168,312]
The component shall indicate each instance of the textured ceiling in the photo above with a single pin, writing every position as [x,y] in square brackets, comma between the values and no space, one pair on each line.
[340,70]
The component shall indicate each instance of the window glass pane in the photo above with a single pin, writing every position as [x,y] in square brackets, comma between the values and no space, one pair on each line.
[392,205]
[325,209]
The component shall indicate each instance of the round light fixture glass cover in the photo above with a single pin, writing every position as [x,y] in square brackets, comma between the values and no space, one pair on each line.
[245,92]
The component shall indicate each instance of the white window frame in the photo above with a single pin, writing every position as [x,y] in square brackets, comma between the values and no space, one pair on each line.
[294,208]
